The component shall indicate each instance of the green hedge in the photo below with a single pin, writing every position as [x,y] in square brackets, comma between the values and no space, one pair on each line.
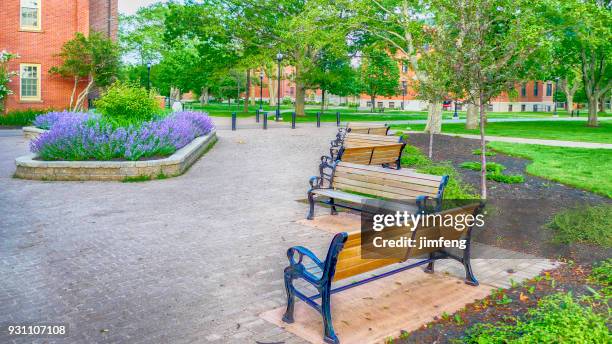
[21,118]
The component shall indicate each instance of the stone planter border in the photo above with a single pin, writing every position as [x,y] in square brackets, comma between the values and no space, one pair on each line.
[174,165]
[32,133]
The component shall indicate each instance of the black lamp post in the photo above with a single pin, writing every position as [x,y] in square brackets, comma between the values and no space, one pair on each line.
[261,75]
[555,97]
[279,58]
[148,75]
[455,115]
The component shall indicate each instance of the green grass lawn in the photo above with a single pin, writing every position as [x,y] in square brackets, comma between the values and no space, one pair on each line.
[587,169]
[549,130]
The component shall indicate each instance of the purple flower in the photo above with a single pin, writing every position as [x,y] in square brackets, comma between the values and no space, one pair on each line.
[78,136]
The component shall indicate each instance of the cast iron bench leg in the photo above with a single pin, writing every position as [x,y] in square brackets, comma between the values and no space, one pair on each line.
[311,204]
[469,275]
[288,317]
[330,336]
[334,211]
[430,267]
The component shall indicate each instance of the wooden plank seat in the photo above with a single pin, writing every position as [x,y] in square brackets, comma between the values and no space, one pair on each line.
[354,185]
[367,128]
[368,150]
[344,260]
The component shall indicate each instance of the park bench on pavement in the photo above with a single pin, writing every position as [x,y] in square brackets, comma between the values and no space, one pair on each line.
[368,150]
[355,184]
[344,260]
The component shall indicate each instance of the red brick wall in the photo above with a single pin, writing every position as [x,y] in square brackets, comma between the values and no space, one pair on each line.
[99,16]
[60,20]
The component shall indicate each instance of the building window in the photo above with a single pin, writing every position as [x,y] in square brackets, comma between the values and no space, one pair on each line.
[523,90]
[380,105]
[510,108]
[489,107]
[535,88]
[369,104]
[535,107]
[548,90]
[404,67]
[30,82]
[30,15]
[404,86]
[391,105]
[523,107]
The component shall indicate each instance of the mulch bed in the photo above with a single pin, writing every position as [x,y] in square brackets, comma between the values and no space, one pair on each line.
[497,307]
[519,210]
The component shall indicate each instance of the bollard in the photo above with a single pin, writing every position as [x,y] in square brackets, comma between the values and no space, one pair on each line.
[277,117]
[265,120]
[337,118]
[293,120]
[318,120]
[577,113]
[233,121]
[257,116]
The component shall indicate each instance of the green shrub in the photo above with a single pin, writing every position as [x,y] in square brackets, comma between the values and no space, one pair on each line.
[476,166]
[557,319]
[22,117]
[505,178]
[591,224]
[487,153]
[125,103]
[602,275]
[412,157]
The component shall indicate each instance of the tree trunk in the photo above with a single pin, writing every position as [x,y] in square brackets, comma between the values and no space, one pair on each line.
[78,106]
[300,95]
[74,88]
[602,104]
[471,117]
[271,91]
[483,156]
[247,91]
[322,102]
[592,112]
[434,118]
[204,96]
[252,95]
[300,91]
[569,103]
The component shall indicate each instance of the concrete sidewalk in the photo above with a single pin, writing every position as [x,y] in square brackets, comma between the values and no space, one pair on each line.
[555,143]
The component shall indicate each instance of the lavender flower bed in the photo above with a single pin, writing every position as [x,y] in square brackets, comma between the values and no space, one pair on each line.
[78,136]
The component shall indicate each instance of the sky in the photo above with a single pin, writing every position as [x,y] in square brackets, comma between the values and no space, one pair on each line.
[131,6]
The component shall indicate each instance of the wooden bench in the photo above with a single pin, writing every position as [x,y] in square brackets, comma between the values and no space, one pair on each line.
[344,260]
[356,184]
[368,149]
[365,128]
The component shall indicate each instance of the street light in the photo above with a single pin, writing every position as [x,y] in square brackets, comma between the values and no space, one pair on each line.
[279,58]
[555,97]
[148,75]
[261,76]
[455,115]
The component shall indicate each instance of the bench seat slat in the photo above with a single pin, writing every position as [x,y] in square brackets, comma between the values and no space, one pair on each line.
[401,173]
[357,199]
[376,189]
[425,189]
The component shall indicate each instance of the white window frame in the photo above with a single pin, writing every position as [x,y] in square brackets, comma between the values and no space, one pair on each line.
[38,82]
[38,19]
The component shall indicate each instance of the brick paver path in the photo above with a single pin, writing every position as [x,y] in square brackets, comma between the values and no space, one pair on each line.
[193,259]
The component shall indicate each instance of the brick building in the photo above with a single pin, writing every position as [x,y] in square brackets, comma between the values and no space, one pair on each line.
[37,30]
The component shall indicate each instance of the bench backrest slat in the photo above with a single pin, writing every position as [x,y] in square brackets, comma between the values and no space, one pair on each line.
[372,155]
[368,128]
[353,139]
[386,183]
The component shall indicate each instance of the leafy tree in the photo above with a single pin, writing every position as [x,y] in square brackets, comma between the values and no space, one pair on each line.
[93,59]
[380,75]
[585,28]
[5,76]
[488,46]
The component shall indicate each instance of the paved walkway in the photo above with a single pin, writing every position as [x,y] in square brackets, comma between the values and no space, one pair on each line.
[556,143]
[192,259]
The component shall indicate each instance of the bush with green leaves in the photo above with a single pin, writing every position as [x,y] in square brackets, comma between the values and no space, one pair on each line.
[602,275]
[591,225]
[125,103]
[476,166]
[557,319]
[487,153]
[505,178]
[21,117]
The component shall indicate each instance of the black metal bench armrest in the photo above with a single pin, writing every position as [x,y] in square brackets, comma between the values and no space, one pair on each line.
[316,182]
[298,266]
[328,161]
